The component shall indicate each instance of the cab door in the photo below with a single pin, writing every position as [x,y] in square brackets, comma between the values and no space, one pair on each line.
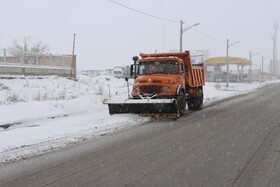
[182,74]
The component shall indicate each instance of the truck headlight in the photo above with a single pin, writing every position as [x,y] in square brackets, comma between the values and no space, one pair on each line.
[135,91]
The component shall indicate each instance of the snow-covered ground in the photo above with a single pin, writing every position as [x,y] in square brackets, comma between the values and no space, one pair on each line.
[48,113]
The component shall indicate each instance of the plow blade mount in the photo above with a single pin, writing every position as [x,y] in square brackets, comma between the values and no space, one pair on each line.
[147,107]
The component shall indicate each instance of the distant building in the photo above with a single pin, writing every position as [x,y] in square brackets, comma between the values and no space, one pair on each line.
[117,72]
[109,72]
[203,52]
[101,72]
[90,73]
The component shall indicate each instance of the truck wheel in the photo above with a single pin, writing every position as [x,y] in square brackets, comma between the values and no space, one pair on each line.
[191,104]
[195,103]
[181,103]
[199,99]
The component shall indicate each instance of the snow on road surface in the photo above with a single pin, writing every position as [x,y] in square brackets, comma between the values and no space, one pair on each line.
[39,115]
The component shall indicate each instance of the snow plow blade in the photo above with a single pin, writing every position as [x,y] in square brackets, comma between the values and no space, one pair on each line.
[146,107]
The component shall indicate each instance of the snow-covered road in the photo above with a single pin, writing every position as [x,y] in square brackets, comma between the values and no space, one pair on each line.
[45,114]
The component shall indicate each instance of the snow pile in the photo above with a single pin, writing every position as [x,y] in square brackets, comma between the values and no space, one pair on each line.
[218,91]
[52,112]
[51,88]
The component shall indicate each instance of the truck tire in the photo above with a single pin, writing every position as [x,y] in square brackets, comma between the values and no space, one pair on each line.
[181,100]
[191,104]
[196,103]
[199,99]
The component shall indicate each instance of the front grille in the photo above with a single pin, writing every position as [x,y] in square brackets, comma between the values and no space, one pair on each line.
[154,81]
[157,81]
[150,89]
[144,81]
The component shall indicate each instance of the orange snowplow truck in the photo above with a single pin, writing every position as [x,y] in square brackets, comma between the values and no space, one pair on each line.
[163,84]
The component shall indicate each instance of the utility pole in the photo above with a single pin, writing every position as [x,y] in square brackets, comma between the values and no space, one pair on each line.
[227,63]
[182,31]
[181,35]
[228,45]
[5,57]
[262,67]
[276,66]
[163,37]
[251,64]
[73,65]
[263,59]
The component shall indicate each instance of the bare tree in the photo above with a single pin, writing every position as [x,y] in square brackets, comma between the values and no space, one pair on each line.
[17,48]
[30,52]
[39,48]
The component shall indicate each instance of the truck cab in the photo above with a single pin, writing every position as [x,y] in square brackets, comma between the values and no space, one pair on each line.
[159,77]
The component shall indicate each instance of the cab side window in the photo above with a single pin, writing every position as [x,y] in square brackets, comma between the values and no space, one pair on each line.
[181,69]
[187,67]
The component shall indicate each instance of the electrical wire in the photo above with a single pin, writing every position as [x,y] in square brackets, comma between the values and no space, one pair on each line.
[52,36]
[27,36]
[168,20]
[144,13]
[208,36]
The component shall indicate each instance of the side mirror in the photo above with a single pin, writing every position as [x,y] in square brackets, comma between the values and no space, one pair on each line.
[131,71]
[135,58]
[133,67]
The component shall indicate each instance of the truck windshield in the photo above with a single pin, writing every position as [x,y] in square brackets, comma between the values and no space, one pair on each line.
[158,67]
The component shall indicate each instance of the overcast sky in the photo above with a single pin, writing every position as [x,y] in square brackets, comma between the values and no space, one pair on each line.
[109,35]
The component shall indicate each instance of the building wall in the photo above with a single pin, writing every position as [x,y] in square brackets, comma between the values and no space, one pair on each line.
[34,71]
[39,65]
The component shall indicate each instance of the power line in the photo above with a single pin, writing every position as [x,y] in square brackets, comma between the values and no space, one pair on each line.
[144,13]
[160,18]
[35,36]
[51,36]
[208,36]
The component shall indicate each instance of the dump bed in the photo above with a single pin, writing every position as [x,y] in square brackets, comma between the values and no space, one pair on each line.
[196,75]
